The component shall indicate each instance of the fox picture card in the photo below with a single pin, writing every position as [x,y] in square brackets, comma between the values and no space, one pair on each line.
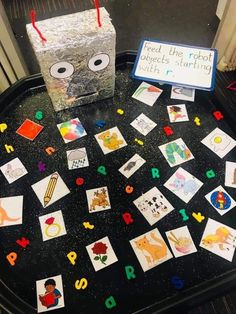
[98,199]
[153,205]
[52,225]
[71,130]
[143,124]
[219,239]
[101,253]
[50,189]
[150,249]
[110,140]
[11,210]
[13,170]
[29,129]
[176,64]
[49,294]
[148,94]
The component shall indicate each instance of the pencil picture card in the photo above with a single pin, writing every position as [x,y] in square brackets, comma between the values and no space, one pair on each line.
[146,93]
[71,130]
[150,249]
[143,124]
[182,93]
[180,241]
[220,200]
[230,174]
[77,158]
[50,189]
[153,205]
[52,225]
[11,210]
[176,152]
[101,253]
[183,184]
[219,239]
[13,170]
[132,165]
[177,113]
[219,142]
[98,199]
[110,140]
[49,294]
[29,129]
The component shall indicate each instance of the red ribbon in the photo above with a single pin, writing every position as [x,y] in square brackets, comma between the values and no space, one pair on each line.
[98,12]
[32,15]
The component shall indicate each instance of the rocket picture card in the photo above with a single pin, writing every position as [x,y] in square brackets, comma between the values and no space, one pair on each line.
[219,239]
[176,152]
[175,64]
[13,170]
[182,93]
[146,93]
[153,205]
[230,174]
[183,184]
[132,165]
[50,294]
[52,225]
[150,249]
[98,199]
[177,113]
[180,241]
[143,124]
[110,140]
[71,130]
[50,189]
[219,142]
[220,200]
[11,210]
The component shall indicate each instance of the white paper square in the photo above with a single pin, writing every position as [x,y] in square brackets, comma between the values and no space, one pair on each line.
[132,165]
[176,152]
[110,140]
[181,242]
[183,184]
[230,174]
[98,199]
[41,291]
[147,93]
[52,229]
[71,130]
[182,93]
[177,113]
[11,210]
[77,158]
[13,170]
[150,249]
[101,253]
[219,239]
[143,124]
[50,189]
[220,200]
[153,205]
[219,142]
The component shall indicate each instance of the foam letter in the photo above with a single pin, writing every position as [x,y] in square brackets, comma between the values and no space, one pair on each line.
[110,302]
[23,242]
[12,258]
[9,148]
[130,272]
[127,218]
[72,257]
[155,173]
[81,284]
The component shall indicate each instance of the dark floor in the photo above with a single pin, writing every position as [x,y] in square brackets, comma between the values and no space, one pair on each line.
[187,21]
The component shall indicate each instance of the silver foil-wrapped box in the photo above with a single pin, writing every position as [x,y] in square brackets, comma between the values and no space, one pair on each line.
[78,59]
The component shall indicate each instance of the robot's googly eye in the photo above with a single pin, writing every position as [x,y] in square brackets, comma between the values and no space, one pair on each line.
[61,70]
[99,62]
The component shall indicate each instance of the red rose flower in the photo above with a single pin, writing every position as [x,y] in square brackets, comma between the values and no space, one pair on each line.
[99,248]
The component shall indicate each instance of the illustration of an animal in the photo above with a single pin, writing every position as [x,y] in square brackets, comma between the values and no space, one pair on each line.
[234,179]
[99,200]
[152,252]
[143,125]
[14,173]
[188,186]
[154,205]
[130,165]
[4,216]
[172,148]
[110,141]
[221,237]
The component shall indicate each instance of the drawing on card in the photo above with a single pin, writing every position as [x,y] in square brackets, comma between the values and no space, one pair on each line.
[143,124]
[71,130]
[98,199]
[230,174]
[110,140]
[220,238]
[52,225]
[77,158]
[132,165]
[11,211]
[182,93]
[177,113]
[13,170]
[147,93]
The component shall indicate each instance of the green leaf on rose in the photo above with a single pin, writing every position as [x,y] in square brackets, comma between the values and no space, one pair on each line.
[96,258]
[104,258]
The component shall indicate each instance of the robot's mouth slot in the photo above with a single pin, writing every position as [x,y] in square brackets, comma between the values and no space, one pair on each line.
[72,99]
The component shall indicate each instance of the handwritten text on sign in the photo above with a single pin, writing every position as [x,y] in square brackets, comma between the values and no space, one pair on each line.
[176,64]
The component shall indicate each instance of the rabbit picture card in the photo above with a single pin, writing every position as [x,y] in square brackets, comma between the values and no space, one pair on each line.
[13,170]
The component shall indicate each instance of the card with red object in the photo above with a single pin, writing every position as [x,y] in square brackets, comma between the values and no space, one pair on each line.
[29,129]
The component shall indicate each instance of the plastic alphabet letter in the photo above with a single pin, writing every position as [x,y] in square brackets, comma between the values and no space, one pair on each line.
[3,127]
[218,115]
[129,189]
[102,170]
[139,141]
[23,242]
[130,272]
[39,115]
[127,218]
[120,111]
[100,123]
[72,257]
[210,174]
[168,130]
[183,214]
[198,217]
[81,284]
[87,225]
[9,148]
[197,121]
[110,302]
[155,173]
[50,150]
[12,258]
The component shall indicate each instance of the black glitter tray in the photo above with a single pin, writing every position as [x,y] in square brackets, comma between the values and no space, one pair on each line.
[204,274]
